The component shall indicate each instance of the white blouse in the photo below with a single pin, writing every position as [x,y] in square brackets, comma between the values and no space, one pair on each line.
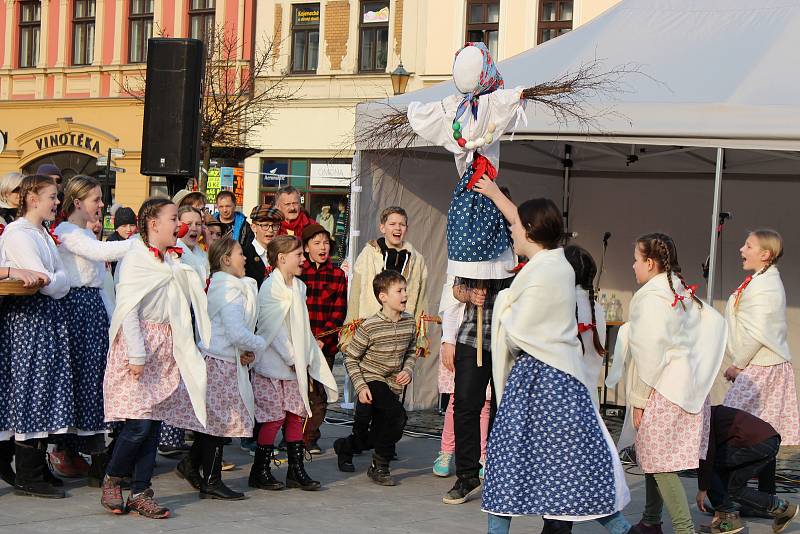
[277,360]
[25,245]
[84,256]
[197,259]
[229,333]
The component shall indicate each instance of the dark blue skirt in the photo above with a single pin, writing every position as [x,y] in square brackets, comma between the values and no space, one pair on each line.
[547,454]
[36,386]
[88,346]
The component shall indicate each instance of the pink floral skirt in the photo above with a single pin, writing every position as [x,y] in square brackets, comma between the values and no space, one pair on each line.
[226,414]
[275,397]
[769,393]
[671,439]
[127,398]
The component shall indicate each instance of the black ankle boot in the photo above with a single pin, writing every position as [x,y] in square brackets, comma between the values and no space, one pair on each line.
[31,462]
[6,459]
[212,486]
[97,470]
[379,472]
[296,476]
[261,473]
[189,466]
[344,455]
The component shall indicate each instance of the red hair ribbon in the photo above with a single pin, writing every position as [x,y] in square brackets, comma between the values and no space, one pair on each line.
[585,327]
[481,166]
[52,232]
[2,228]
[208,284]
[693,289]
[156,253]
[741,288]
[519,267]
[178,251]
[677,298]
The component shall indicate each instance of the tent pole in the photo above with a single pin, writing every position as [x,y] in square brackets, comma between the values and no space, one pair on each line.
[712,255]
[349,396]
[567,163]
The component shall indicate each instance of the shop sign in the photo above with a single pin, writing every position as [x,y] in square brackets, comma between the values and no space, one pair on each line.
[72,139]
[306,15]
[331,174]
[212,185]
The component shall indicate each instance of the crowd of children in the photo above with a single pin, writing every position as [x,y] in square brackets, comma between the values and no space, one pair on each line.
[201,331]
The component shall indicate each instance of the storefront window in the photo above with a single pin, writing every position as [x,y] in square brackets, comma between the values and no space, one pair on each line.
[274,172]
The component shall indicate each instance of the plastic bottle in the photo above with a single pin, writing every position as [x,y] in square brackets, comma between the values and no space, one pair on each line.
[604,303]
[612,306]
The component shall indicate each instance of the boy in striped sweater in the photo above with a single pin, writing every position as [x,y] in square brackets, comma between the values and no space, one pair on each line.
[380,361]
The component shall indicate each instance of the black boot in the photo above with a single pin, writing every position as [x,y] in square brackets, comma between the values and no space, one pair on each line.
[189,466]
[97,470]
[31,462]
[213,487]
[379,472]
[296,476]
[261,473]
[6,458]
[344,455]
[556,526]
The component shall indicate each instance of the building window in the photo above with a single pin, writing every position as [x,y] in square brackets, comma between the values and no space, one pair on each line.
[374,39]
[201,19]
[555,18]
[483,23]
[140,21]
[29,28]
[83,32]
[305,37]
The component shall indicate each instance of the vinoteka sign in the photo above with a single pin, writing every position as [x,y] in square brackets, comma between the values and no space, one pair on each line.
[68,139]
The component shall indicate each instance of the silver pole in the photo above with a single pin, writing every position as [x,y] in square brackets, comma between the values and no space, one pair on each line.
[712,255]
[567,163]
[349,397]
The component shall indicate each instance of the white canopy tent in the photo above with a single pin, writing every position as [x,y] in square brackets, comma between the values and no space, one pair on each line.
[718,96]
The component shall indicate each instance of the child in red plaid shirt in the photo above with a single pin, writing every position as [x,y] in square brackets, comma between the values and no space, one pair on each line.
[326,299]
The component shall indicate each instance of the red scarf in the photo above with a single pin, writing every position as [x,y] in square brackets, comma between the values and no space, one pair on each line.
[741,288]
[170,250]
[296,226]
[481,166]
[585,327]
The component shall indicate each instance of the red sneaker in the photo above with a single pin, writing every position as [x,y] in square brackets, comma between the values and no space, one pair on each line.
[112,495]
[69,465]
[144,505]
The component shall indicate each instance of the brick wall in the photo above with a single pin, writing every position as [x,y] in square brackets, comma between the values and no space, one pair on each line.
[398,27]
[277,33]
[337,31]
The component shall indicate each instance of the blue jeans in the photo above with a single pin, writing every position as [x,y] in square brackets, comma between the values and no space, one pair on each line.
[499,524]
[733,467]
[135,453]
[614,523]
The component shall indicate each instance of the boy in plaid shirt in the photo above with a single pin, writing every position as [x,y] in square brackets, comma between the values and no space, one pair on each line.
[326,299]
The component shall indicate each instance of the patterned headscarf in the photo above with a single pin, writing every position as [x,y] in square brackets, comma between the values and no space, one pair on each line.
[489,81]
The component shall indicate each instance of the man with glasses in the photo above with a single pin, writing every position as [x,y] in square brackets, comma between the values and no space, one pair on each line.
[266,223]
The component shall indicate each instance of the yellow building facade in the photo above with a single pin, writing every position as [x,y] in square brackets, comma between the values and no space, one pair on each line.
[341,52]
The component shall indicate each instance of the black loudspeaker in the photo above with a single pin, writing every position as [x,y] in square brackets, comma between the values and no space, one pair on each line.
[172,97]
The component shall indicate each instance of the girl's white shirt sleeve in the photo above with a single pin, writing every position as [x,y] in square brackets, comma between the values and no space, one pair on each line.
[84,256]
[25,247]
[233,322]
[134,341]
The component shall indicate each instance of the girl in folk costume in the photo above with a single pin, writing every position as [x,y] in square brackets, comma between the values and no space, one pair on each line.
[674,344]
[561,466]
[762,372]
[193,254]
[172,440]
[281,373]
[229,395]
[36,386]
[590,316]
[452,312]
[88,311]
[153,356]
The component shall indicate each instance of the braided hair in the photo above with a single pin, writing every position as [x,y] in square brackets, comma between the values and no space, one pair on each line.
[771,241]
[585,270]
[661,249]
[149,211]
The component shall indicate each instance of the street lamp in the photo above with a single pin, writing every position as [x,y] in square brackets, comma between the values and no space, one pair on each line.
[400,78]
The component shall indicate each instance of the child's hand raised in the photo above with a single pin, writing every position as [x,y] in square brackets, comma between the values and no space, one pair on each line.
[364,396]
[403,378]
[487,188]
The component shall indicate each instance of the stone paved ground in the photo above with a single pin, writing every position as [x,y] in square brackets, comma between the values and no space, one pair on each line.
[348,503]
